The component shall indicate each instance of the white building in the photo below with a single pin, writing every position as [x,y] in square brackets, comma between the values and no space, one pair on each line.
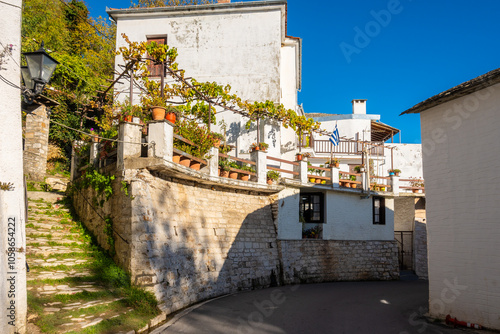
[242,44]
[460,156]
[378,138]
[12,200]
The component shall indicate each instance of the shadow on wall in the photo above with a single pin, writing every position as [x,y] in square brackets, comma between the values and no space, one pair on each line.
[194,242]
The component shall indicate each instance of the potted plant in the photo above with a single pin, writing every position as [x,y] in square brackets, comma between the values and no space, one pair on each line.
[157,106]
[233,174]
[224,168]
[417,183]
[245,176]
[171,114]
[353,178]
[218,139]
[272,176]
[333,163]
[359,169]
[298,156]
[260,146]
[397,172]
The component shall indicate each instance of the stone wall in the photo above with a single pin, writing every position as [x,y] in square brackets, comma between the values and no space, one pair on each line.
[188,242]
[420,248]
[36,144]
[193,242]
[314,261]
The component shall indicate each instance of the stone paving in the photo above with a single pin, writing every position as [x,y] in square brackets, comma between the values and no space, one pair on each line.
[55,252]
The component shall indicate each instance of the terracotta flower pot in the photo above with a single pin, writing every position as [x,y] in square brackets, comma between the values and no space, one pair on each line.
[269,181]
[336,165]
[176,158]
[244,177]
[318,180]
[397,174]
[415,191]
[233,175]
[185,161]
[347,185]
[354,185]
[299,157]
[158,113]
[224,173]
[195,165]
[170,116]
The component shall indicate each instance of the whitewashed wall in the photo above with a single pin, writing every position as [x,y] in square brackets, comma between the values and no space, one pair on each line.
[349,217]
[407,158]
[461,153]
[237,44]
[349,128]
[13,279]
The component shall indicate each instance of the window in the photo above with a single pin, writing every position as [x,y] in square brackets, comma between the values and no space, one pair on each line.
[155,70]
[379,210]
[312,215]
[311,208]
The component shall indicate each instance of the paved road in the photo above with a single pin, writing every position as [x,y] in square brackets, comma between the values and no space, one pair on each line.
[343,307]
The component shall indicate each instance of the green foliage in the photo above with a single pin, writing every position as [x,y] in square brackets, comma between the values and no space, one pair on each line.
[85,53]
[273,175]
[198,134]
[110,238]
[224,164]
[102,184]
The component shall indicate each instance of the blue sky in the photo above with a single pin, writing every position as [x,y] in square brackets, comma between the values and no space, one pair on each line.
[393,53]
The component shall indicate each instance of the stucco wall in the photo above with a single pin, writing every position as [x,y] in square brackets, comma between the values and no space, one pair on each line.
[12,205]
[460,151]
[349,217]
[407,158]
[404,213]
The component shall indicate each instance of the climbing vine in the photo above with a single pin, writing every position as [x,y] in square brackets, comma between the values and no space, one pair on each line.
[110,238]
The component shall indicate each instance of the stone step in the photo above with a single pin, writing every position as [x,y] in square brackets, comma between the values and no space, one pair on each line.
[46,196]
[53,233]
[52,262]
[59,240]
[60,274]
[65,289]
[48,250]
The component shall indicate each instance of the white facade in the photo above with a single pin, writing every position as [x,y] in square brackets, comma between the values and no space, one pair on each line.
[347,216]
[461,152]
[350,217]
[241,44]
[12,202]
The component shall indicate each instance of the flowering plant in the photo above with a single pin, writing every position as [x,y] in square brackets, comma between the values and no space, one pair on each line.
[260,146]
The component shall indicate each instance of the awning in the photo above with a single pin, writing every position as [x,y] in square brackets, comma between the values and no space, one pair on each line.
[382,132]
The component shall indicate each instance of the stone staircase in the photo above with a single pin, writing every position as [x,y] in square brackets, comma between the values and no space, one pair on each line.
[66,289]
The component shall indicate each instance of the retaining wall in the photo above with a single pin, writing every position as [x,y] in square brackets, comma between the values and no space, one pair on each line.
[188,242]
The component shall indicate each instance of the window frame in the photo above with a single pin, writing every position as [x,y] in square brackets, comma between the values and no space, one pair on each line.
[155,70]
[381,213]
[310,201]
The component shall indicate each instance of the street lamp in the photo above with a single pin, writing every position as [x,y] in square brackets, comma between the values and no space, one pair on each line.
[40,68]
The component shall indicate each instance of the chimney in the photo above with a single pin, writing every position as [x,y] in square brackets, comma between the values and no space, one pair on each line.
[359,107]
[223,1]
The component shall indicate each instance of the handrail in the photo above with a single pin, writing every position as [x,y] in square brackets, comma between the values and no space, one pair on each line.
[282,170]
[236,159]
[284,161]
[187,155]
[381,177]
[187,141]
[319,177]
[242,171]
[349,173]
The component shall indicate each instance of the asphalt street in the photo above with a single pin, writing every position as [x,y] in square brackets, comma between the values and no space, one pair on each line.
[341,307]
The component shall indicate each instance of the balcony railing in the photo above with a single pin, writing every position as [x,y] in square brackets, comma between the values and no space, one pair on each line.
[345,147]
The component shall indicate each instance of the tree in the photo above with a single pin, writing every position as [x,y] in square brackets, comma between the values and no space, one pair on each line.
[85,49]
[170,3]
